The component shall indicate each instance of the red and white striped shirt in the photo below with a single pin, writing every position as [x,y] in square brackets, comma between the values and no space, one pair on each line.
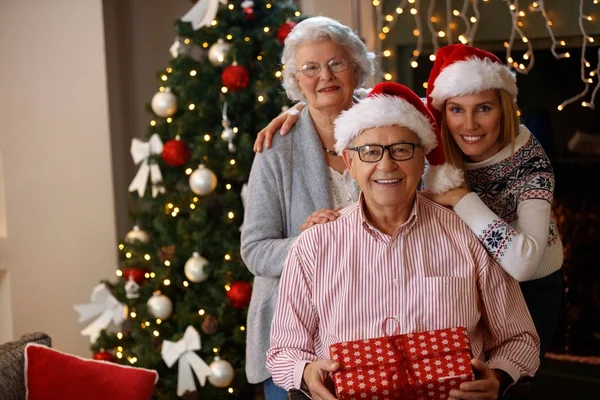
[343,278]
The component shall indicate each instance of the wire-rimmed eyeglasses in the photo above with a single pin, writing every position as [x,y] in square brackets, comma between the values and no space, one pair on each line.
[313,69]
[371,153]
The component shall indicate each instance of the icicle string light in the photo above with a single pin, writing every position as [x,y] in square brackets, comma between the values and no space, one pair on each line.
[540,6]
[430,19]
[521,68]
[584,79]
[471,21]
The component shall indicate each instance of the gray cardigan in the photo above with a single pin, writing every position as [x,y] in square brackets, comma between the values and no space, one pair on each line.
[287,184]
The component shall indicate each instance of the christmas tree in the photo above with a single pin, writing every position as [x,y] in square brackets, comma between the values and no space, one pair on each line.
[180,269]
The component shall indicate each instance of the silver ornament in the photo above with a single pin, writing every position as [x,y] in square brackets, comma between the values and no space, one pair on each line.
[183,46]
[164,104]
[136,234]
[203,181]
[160,306]
[222,373]
[218,52]
[194,268]
[227,134]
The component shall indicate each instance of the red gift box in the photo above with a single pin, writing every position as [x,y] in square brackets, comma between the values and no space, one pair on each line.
[416,366]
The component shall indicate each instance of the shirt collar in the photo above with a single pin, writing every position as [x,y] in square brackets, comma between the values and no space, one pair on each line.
[405,228]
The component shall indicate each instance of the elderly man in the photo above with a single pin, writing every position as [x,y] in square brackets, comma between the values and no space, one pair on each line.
[395,254]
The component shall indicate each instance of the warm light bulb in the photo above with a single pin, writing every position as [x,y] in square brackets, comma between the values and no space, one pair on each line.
[549,23]
[441,33]
[201,312]
[242,328]
[152,275]
[230,390]
[214,22]
[585,104]
[463,39]
[246,39]
[387,77]
[268,5]
[128,255]
[389,18]
[560,107]
[432,57]
[416,32]
[525,40]
[587,64]
[193,72]
[186,284]
[385,29]
[228,186]
[387,53]
[167,263]
[521,66]
[205,45]
[227,257]
[520,23]
[526,56]
[119,272]
[261,98]
[120,335]
[266,29]
[227,287]
[155,333]
[473,20]
[413,11]
[416,53]
[121,246]
[382,36]
[424,85]
[230,215]
[147,275]
[456,13]
[158,321]
[278,74]
[231,6]
[164,77]
[563,43]
[191,106]
[521,13]
[259,57]
[535,4]
[414,64]
[232,162]
[152,123]
[399,10]
[505,44]
[235,129]
[297,13]
[147,257]
[512,7]
[510,59]
[229,37]
[169,69]
[434,19]
[375,3]
[591,39]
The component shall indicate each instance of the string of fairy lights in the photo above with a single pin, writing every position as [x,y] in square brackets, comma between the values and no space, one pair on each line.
[469,15]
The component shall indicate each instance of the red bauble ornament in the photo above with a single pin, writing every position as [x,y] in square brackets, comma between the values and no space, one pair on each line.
[136,273]
[103,356]
[235,78]
[284,30]
[249,11]
[239,294]
[175,153]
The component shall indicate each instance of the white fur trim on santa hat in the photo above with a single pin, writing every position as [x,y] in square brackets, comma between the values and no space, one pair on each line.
[441,178]
[471,76]
[383,110]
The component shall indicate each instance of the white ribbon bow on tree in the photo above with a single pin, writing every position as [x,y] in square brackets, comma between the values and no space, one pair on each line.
[106,307]
[140,151]
[202,13]
[183,350]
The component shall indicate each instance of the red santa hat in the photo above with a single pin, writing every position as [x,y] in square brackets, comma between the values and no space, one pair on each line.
[394,104]
[460,70]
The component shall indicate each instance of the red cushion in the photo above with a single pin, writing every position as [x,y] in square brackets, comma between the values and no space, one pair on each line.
[52,375]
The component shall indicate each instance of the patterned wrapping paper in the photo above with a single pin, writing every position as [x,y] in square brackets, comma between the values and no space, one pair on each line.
[416,366]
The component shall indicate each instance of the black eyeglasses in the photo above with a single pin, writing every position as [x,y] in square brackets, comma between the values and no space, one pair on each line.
[372,153]
[313,69]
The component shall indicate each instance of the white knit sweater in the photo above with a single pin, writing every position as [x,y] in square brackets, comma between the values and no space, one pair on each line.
[509,209]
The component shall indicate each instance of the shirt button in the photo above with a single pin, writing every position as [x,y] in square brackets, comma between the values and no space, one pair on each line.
[349,198]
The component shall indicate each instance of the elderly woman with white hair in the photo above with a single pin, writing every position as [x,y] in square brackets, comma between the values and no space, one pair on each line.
[325,62]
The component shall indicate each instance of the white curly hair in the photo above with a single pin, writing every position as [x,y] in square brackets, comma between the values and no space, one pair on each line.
[316,29]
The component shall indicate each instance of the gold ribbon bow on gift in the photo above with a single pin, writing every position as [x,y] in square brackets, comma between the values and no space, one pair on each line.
[189,362]
[106,307]
[140,151]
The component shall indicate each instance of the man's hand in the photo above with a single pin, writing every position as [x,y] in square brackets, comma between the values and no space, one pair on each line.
[315,376]
[485,387]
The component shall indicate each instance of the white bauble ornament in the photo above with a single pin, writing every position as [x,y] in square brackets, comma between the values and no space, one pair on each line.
[203,181]
[222,373]
[227,135]
[160,306]
[137,234]
[164,104]
[194,268]
[218,52]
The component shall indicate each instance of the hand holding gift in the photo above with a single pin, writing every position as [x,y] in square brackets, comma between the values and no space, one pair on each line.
[316,378]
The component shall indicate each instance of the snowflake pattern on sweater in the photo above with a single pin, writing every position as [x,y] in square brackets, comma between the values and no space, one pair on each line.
[504,185]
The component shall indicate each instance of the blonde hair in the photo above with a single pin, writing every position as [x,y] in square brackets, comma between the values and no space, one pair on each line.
[509,128]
